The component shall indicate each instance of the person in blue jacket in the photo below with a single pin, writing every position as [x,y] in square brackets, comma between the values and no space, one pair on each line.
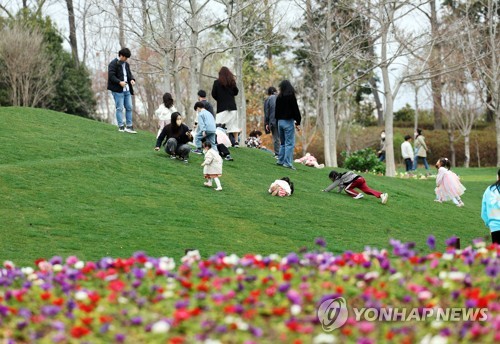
[490,210]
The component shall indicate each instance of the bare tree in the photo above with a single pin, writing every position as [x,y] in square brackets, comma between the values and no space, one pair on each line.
[27,67]
[72,31]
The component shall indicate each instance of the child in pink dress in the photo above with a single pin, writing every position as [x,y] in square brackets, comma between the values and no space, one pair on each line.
[448,186]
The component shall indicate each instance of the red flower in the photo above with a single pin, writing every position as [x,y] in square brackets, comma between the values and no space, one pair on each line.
[181,314]
[176,340]
[85,308]
[45,295]
[87,320]
[105,319]
[94,297]
[279,311]
[230,309]
[195,311]
[58,302]
[116,285]
[287,276]
[79,331]
[202,287]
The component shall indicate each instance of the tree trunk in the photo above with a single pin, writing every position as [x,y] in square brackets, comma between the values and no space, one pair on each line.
[466,150]
[434,69]
[72,31]
[121,29]
[238,66]
[451,140]
[497,126]
[378,103]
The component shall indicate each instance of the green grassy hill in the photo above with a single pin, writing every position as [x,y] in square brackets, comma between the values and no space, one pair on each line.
[72,186]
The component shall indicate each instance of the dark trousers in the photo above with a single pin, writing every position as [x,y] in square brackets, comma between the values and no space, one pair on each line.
[495,237]
[360,183]
[409,164]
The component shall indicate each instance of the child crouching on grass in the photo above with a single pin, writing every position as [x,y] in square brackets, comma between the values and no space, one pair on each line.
[281,187]
[348,181]
[448,186]
[212,166]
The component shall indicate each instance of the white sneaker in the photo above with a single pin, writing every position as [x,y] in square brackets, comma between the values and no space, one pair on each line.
[218,189]
[383,198]
[207,184]
[359,196]
[130,130]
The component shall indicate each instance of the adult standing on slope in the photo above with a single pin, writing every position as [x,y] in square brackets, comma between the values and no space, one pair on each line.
[223,91]
[120,83]
[288,116]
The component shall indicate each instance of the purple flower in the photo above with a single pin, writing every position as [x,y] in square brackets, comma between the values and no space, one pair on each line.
[284,287]
[136,320]
[58,325]
[294,297]
[50,310]
[56,260]
[493,269]
[452,241]
[256,331]
[120,338]
[431,242]
[24,312]
[320,242]
[292,258]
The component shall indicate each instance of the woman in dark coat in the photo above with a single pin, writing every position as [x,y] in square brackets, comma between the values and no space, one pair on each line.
[288,117]
[223,91]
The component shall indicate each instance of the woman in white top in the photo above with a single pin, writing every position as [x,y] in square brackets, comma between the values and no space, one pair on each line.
[164,112]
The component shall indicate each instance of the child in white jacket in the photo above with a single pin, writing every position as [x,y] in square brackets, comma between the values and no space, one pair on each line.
[212,166]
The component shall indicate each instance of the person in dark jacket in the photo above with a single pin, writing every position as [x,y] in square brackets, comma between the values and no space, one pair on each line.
[120,83]
[202,97]
[223,91]
[270,118]
[288,116]
[177,136]
[348,181]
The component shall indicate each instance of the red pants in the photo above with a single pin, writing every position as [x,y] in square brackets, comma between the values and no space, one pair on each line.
[360,183]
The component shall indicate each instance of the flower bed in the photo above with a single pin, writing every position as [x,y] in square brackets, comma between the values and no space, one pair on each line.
[250,299]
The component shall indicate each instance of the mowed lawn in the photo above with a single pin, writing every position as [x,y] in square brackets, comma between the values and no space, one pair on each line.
[72,186]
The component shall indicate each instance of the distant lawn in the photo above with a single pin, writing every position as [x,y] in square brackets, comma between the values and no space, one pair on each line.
[72,186]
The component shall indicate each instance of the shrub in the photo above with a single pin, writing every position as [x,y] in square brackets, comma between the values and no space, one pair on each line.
[363,160]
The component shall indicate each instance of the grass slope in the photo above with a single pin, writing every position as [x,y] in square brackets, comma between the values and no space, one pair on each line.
[72,186]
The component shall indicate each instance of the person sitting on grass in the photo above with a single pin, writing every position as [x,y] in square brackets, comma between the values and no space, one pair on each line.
[282,187]
[177,135]
[349,181]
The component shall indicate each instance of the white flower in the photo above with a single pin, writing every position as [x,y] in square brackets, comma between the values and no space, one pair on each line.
[81,295]
[27,270]
[166,264]
[429,339]
[456,275]
[168,294]
[229,319]
[324,338]
[57,267]
[148,265]
[241,325]
[274,257]
[160,327]
[32,277]
[79,265]
[122,300]
[240,271]
[447,256]
[395,276]
[230,260]
[436,324]
[212,341]
[295,309]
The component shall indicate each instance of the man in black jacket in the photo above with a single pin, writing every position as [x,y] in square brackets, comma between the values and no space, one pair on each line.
[120,83]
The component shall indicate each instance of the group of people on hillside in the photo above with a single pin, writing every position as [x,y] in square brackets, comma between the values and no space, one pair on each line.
[282,118]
